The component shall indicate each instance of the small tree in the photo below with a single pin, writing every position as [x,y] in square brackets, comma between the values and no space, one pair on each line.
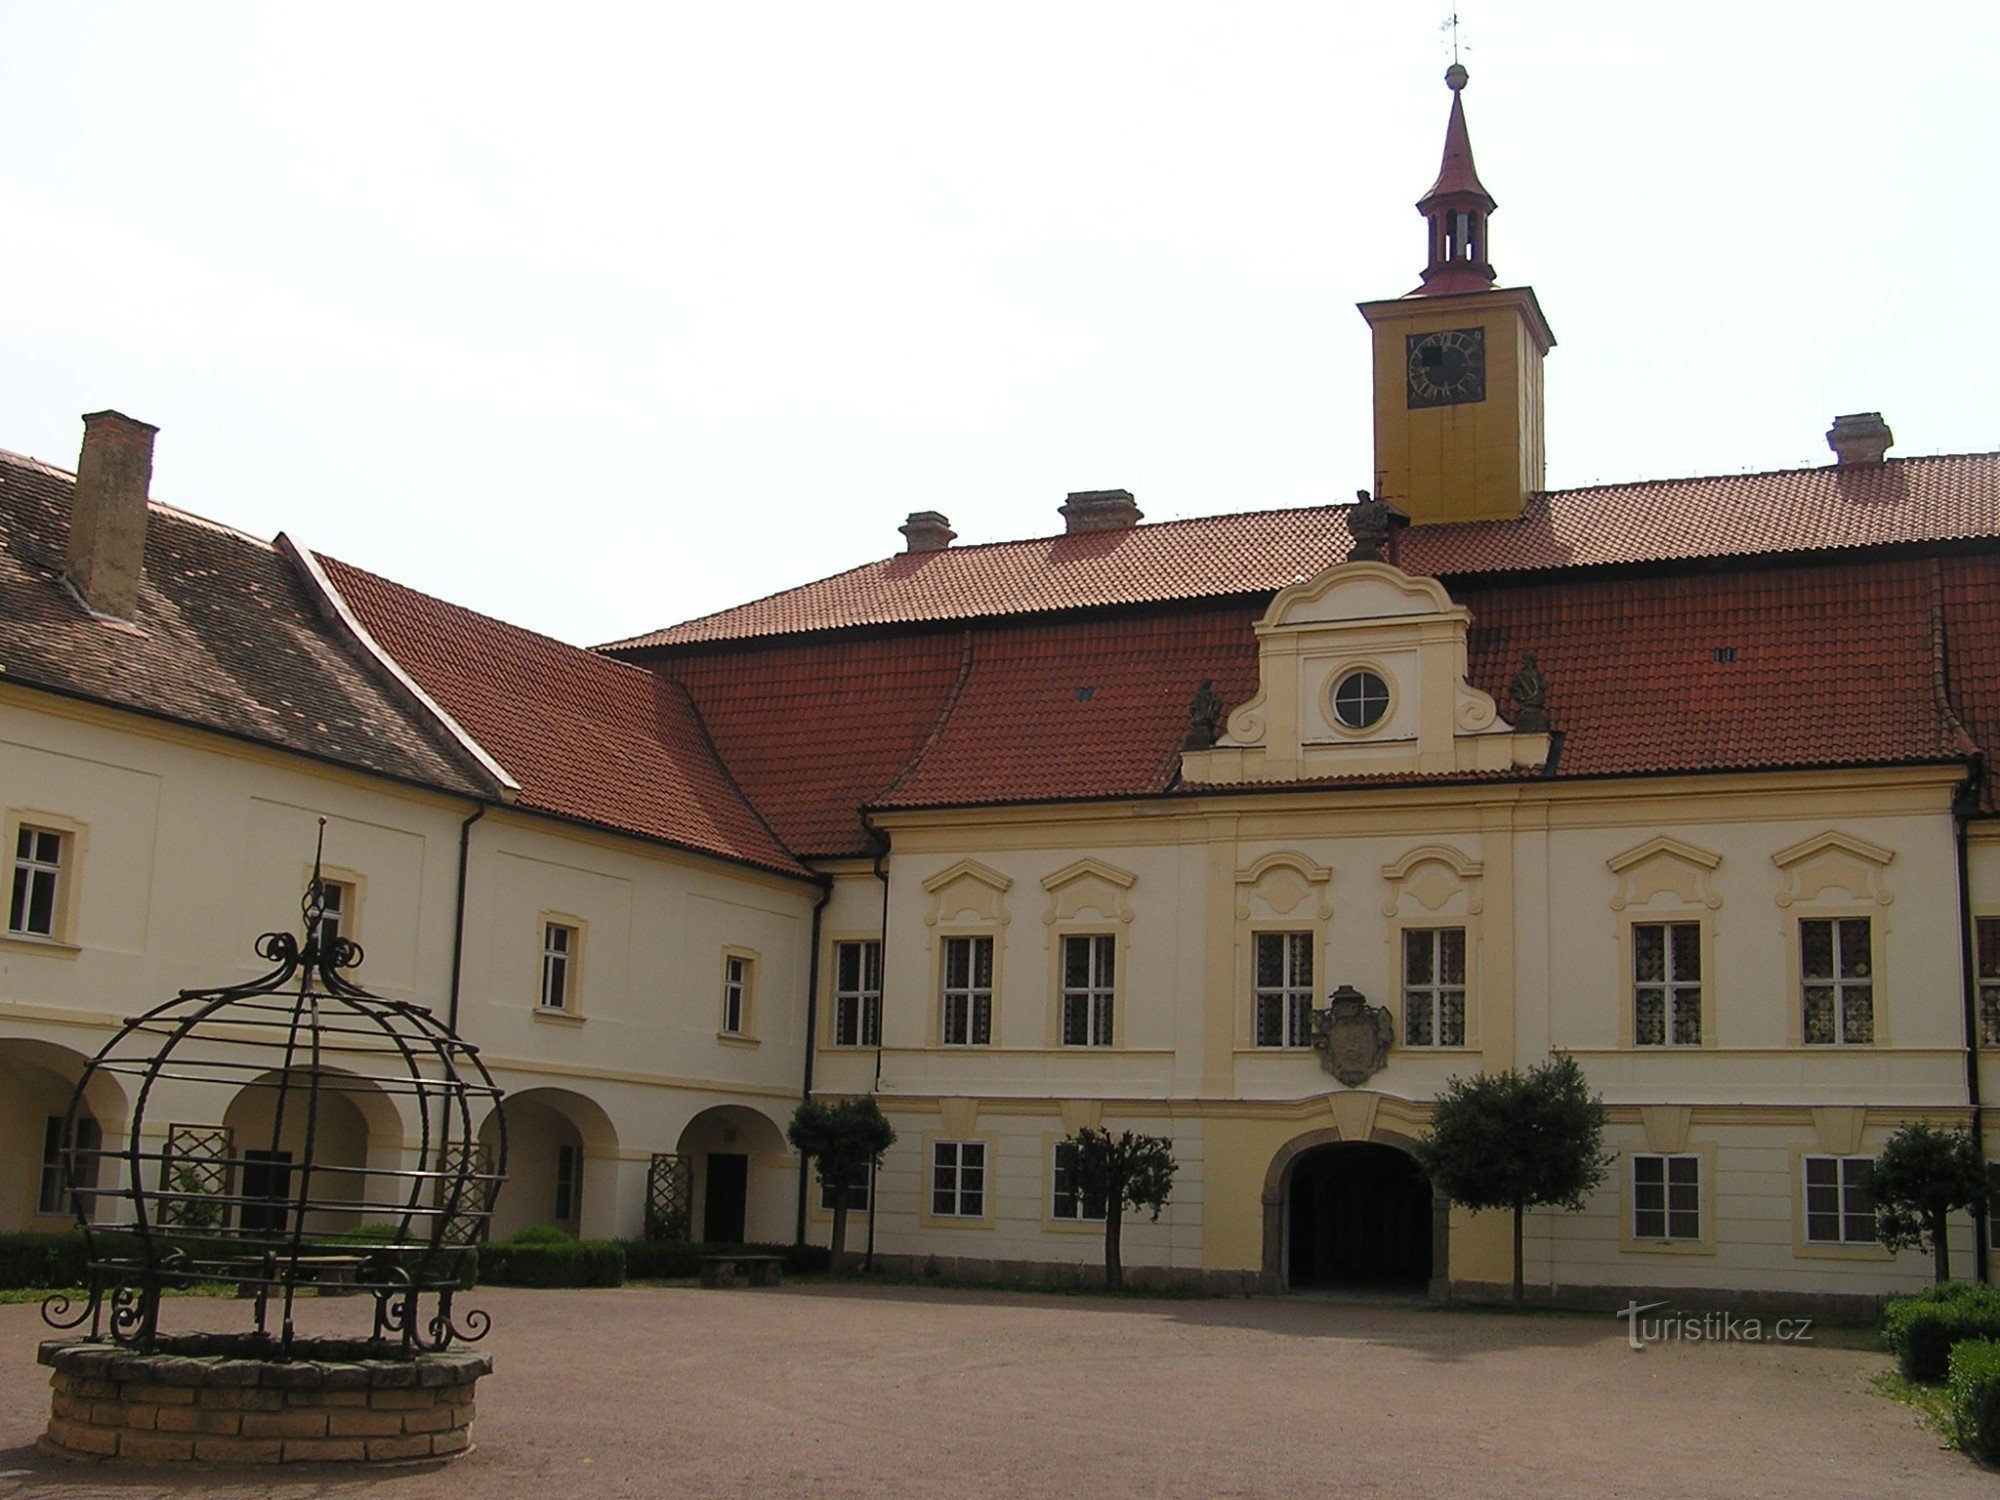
[1518,1140]
[1122,1171]
[844,1140]
[1922,1177]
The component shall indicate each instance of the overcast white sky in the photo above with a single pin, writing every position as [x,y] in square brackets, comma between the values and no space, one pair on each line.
[601,317]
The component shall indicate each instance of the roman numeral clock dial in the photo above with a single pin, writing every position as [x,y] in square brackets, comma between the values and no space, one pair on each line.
[1447,367]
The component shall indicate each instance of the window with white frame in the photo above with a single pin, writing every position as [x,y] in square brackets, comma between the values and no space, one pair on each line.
[1089,980]
[1837,979]
[62,1166]
[967,1020]
[857,994]
[1284,989]
[1840,1206]
[1067,1201]
[736,977]
[1666,1197]
[958,1179]
[336,907]
[558,965]
[856,1193]
[1434,987]
[38,871]
[1987,931]
[1666,984]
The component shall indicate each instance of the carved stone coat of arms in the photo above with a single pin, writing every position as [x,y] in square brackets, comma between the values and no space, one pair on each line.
[1351,1036]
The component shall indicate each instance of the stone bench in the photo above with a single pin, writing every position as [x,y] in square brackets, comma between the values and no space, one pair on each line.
[761,1270]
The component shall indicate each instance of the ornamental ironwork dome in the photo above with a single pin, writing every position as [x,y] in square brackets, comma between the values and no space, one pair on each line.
[291,1132]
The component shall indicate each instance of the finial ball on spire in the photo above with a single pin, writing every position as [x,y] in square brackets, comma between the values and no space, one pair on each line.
[1454,77]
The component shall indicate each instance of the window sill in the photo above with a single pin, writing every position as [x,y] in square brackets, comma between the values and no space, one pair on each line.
[28,942]
[558,1017]
[1667,1247]
[737,1039]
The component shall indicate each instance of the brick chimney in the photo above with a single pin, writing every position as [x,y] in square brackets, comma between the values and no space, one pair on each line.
[1099,510]
[1860,438]
[107,523]
[927,531]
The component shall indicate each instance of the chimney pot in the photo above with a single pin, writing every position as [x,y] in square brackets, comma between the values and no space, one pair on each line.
[107,524]
[1860,438]
[927,531]
[1099,510]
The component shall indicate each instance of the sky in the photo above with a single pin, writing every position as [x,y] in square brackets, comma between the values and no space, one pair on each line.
[602,317]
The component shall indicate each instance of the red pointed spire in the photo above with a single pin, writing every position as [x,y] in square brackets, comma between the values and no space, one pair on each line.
[1456,208]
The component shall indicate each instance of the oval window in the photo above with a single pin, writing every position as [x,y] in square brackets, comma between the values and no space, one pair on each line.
[1360,699]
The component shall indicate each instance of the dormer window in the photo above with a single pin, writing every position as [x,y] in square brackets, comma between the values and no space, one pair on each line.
[1360,699]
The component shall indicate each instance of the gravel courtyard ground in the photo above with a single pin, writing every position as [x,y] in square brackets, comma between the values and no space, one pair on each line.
[862,1391]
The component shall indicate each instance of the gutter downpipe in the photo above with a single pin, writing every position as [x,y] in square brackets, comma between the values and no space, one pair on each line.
[1962,810]
[812,1035]
[458,914]
[878,838]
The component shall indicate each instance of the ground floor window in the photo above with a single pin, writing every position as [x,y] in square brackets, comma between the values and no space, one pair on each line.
[1067,1200]
[1666,1197]
[958,1179]
[57,1164]
[856,1193]
[1840,1209]
[569,1182]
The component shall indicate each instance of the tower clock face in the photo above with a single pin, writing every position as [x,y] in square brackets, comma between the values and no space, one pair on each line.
[1447,367]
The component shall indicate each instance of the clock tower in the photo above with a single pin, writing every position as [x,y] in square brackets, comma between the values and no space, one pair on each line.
[1458,363]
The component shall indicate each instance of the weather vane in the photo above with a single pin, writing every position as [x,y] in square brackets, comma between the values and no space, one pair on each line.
[1450,24]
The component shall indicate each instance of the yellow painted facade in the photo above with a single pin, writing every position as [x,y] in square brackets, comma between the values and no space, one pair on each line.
[1467,460]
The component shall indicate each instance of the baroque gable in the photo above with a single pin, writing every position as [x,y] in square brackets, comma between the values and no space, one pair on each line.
[1362,672]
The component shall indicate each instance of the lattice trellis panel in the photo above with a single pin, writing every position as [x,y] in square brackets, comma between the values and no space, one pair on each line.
[669,1197]
[476,1157]
[194,1171]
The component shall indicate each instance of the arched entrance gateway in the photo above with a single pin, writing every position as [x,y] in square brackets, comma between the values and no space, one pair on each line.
[1347,1214]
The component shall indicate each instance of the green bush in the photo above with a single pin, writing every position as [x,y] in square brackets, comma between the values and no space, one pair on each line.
[541,1262]
[35,1260]
[1922,1329]
[541,1234]
[1974,1389]
[668,1260]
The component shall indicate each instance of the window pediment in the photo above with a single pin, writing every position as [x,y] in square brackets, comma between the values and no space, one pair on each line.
[1665,866]
[1836,862]
[968,889]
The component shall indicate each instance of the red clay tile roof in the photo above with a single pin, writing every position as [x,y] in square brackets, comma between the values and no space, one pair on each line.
[1905,500]
[230,639]
[586,737]
[1971,590]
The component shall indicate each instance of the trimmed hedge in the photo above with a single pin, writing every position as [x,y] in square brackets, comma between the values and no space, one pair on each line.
[1974,1388]
[667,1260]
[1922,1329]
[531,1258]
[43,1260]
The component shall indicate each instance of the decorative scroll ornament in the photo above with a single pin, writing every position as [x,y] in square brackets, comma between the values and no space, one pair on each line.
[1351,1036]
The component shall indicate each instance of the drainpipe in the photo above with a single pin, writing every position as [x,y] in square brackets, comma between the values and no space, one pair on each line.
[1962,808]
[812,1041]
[878,839]
[458,914]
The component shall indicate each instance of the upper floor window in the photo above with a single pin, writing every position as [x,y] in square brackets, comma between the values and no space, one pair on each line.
[1089,974]
[1666,1197]
[1666,984]
[38,870]
[736,975]
[1284,989]
[968,992]
[558,963]
[1987,930]
[1836,973]
[857,994]
[336,902]
[1840,1208]
[1434,987]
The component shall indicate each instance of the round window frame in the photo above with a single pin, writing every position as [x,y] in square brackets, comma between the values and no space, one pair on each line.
[1347,675]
